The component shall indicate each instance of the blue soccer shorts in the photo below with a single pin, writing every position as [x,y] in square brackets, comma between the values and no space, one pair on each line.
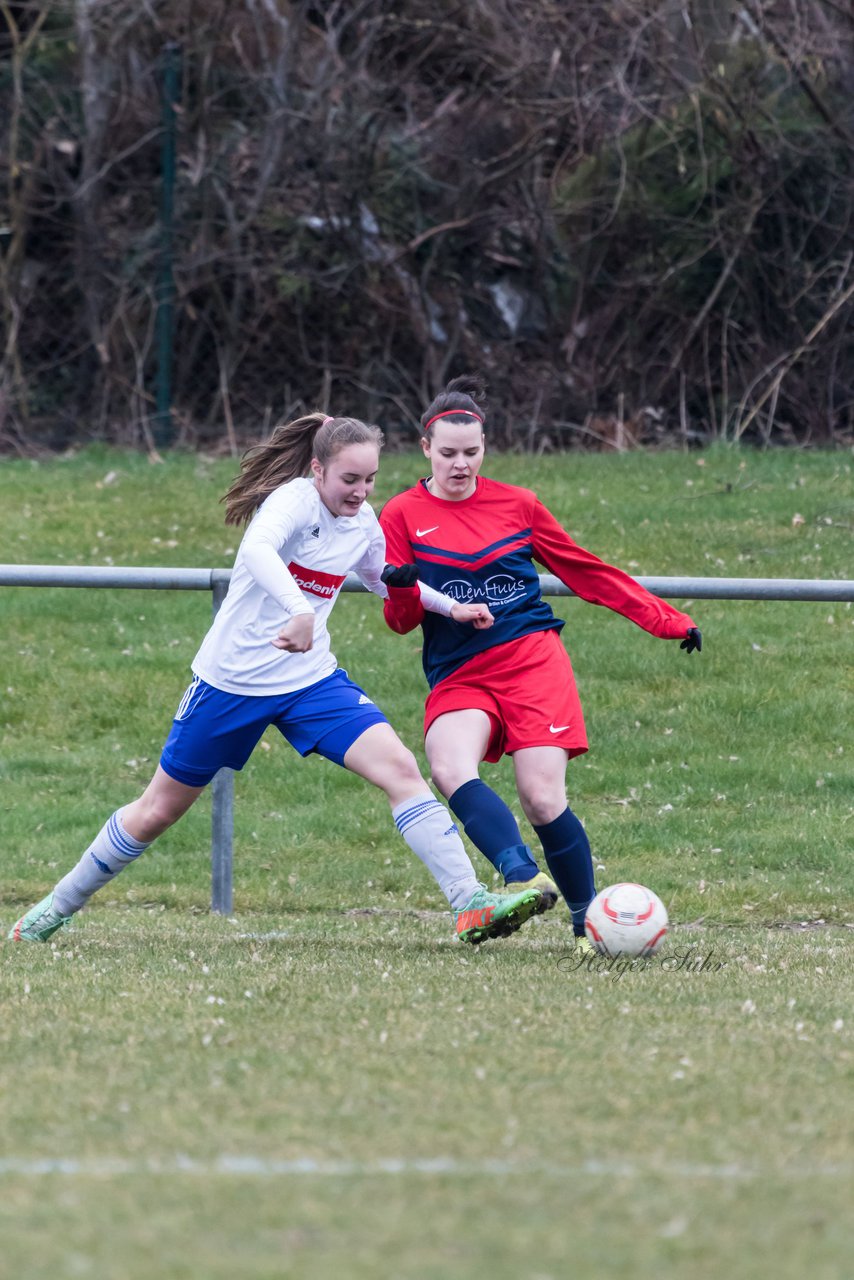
[213,729]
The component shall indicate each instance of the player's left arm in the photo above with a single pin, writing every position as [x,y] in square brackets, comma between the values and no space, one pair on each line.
[600,583]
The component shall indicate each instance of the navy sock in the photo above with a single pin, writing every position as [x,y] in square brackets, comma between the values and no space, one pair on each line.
[567,851]
[491,827]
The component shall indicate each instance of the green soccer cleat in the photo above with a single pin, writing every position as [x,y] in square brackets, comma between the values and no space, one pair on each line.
[547,888]
[584,946]
[495,915]
[39,924]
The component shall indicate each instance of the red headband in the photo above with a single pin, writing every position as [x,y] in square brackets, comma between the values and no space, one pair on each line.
[452,413]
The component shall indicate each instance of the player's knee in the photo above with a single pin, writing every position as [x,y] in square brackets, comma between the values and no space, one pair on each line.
[402,768]
[445,772]
[542,805]
[151,815]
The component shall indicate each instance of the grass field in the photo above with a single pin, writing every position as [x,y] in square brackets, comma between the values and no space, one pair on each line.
[325,1084]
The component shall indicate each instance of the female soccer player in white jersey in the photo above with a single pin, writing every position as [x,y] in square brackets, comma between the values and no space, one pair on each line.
[508,689]
[266,660]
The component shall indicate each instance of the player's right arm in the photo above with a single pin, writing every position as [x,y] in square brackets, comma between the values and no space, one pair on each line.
[407,598]
[278,520]
[406,575]
[403,610]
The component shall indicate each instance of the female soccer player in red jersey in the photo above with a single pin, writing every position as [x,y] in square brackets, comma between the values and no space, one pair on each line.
[266,660]
[506,688]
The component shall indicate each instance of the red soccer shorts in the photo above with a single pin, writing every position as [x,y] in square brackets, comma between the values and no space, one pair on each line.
[526,687]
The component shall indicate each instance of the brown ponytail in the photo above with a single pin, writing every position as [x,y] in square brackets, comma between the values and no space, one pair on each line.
[288,454]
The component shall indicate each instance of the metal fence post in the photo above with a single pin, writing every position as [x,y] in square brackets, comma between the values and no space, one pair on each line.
[222,811]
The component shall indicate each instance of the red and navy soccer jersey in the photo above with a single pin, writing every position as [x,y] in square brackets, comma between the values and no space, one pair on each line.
[482,549]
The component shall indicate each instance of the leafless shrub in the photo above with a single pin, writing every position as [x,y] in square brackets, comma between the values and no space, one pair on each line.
[635,218]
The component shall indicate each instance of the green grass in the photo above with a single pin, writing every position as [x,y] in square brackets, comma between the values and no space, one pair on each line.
[326,1084]
[532,1115]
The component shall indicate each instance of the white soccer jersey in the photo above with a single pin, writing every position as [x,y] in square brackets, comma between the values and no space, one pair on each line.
[293,559]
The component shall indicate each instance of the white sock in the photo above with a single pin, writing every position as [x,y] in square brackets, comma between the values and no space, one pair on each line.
[109,853]
[431,833]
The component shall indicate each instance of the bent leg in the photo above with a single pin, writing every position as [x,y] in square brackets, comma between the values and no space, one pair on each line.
[541,782]
[456,743]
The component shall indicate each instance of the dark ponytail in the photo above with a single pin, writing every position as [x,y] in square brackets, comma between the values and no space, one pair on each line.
[464,397]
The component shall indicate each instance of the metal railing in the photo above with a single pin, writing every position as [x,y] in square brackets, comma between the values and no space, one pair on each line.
[216,581]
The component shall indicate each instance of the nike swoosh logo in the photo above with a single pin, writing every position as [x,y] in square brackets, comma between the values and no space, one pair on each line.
[419,533]
[557,728]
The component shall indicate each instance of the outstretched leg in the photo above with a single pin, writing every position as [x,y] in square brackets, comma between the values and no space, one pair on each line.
[380,757]
[126,834]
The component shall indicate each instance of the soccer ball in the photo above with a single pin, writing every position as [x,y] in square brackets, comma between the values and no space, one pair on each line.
[626,920]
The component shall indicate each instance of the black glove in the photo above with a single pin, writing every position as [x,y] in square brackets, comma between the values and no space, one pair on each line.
[404,575]
[693,640]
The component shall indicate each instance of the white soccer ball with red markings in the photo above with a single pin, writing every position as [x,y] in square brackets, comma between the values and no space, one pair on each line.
[626,920]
